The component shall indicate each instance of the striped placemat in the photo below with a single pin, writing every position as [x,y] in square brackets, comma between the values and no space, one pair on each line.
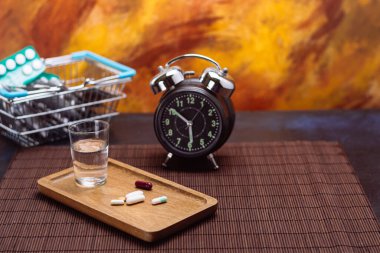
[273,197]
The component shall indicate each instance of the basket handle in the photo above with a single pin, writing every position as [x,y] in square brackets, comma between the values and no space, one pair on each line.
[125,71]
[12,94]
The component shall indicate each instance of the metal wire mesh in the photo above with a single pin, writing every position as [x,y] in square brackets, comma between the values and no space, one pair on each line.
[34,121]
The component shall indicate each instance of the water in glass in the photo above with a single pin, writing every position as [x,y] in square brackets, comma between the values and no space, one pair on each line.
[90,158]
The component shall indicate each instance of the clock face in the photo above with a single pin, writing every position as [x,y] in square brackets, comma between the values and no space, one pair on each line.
[189,123]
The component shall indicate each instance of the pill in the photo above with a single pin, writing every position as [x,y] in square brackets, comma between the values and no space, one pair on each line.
[43,80]
[37,64]
[20,59]
[11,64]
[30,54]
[144,185]
[55,81]
[117,202]
[159,200]
[133,194]
[135,199]
[3,70]
[27,70]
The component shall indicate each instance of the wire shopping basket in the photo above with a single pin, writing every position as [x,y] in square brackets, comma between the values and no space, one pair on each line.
[93,87]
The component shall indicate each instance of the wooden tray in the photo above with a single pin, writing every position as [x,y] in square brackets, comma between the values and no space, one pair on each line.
[143,220]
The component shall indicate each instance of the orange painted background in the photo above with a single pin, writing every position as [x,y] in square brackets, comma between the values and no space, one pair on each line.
[291,54]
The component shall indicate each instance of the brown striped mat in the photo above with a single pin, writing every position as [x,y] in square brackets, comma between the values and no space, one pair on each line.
[273,197]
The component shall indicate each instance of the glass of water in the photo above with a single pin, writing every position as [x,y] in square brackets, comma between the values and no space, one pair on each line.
[89,151]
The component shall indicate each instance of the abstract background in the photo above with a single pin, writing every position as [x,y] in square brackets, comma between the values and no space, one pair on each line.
[283,55]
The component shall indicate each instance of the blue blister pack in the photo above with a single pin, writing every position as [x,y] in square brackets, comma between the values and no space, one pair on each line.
[19,70]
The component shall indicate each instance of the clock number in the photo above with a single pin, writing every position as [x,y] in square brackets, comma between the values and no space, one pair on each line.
[210,111]
[179,103]
[170,132]
[167,122]
[203,103]
[178,141]
[210,134]
[189,145]
[202,143]
[213,123]
[171,111]
[190,100]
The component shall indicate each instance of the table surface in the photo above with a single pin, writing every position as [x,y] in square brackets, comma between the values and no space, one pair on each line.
[357,131]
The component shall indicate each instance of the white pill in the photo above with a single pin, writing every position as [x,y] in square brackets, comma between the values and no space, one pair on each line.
[11,64]
[135,199]
[30,54]
[43,80]
[159,200]
[55,81]
[27,70]
[117,202]
[3,70]
[133,194]
[37,64]
[20,59]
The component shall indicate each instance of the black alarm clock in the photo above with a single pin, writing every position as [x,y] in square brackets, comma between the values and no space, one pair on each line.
[195,115]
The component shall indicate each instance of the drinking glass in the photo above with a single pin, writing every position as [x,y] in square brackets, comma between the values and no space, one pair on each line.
[89,151]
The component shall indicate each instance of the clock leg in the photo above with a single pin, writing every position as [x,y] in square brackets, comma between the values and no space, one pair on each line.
[212,160]
[168,157]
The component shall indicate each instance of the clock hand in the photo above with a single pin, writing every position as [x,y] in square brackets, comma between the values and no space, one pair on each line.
[180,116]
[196,114]
[191,132]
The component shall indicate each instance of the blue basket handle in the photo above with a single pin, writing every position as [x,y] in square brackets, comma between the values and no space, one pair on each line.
[12,94]
[125,71]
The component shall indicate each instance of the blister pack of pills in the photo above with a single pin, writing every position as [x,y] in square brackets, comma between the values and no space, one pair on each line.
[21,68]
